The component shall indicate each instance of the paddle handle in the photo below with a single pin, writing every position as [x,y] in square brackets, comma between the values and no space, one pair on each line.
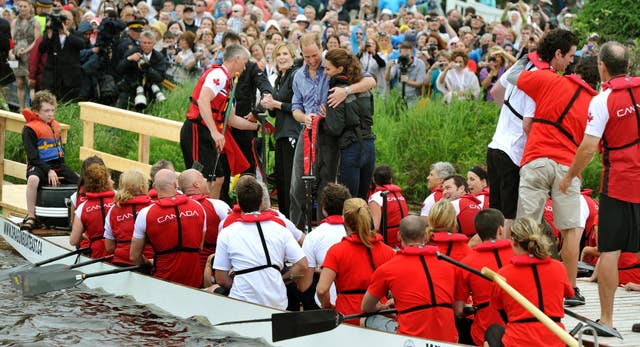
[89,262]
[62,256]
[535,311]
[114,271]
[462,265]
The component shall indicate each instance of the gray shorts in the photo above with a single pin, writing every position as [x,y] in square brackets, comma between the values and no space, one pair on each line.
[538,179]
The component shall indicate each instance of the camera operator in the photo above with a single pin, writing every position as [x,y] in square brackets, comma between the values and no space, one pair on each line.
[62,72]
[373,63]
[141,65]
[410,71]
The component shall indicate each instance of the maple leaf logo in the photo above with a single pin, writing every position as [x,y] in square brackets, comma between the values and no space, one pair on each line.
[216,81]
[589,118]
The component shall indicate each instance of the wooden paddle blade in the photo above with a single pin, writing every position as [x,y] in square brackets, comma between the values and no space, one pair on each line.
[290,325]
[38,283]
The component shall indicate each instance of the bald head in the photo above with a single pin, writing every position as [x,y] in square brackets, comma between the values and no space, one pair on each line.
[192,182]
[165,183]
[615,58]
[412,230]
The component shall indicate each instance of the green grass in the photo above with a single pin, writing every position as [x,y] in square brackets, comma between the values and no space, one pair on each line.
[408,140]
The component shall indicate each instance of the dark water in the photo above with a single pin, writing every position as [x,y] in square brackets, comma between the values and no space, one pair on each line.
[84,317]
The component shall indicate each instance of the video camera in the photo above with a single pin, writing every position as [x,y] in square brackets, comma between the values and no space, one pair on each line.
[56,21]
[108,31]
[403,60]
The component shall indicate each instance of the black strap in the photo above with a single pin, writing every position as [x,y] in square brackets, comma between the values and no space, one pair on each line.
[532,320]
[373,265]
[449,248]
[510,107]
[496,254]
[558,123]
[636,266]
[101,237]
[179,247]
[536,278]
[480,306]
[399,206]
[97,238]
[352,291]
[134,212]
[384,218]
[266,254]
[433,303]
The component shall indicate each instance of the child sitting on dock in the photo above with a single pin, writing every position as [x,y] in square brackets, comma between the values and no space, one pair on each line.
[43,144]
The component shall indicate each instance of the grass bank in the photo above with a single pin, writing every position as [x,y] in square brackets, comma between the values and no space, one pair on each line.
[409,140]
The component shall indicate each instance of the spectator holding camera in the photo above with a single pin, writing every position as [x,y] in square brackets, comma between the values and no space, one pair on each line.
[373,63]
[409,71]
[141,64]
[457,80]
[25,30]
[491,73]
[62,72]
[184,61]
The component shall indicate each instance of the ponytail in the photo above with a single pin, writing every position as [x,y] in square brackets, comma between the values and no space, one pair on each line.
[442,218]
[528,235]
[357,219]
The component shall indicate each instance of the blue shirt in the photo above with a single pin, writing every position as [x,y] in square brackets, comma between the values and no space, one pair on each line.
[309,94]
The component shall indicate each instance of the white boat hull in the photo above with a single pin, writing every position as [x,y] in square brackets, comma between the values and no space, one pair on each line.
[185,302]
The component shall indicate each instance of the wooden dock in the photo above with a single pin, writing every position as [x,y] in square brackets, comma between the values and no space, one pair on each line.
[14,200]
[626,313]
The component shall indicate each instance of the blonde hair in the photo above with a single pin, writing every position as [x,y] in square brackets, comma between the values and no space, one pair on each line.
[132,183]
[310,39]
[442,217]
[357,219]
[288,46]
[528,235]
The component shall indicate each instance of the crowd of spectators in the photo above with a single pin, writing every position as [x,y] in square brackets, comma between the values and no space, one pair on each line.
[123,53]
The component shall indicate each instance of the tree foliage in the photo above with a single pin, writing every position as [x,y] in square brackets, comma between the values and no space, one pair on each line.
[612,19]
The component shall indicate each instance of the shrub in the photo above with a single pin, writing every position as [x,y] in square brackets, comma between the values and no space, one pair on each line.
[612,19]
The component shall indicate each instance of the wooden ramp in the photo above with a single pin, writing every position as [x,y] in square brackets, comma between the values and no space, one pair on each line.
[626,313]
[14,200]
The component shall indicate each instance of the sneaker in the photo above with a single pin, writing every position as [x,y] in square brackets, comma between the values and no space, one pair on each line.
[576,300]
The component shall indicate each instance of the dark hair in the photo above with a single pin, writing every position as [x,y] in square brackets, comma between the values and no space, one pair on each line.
[350,64]
[331,37]
[587,68]
[487,222]
[188,36]
[458,181]
[333,197]
[480,171]
[615,57]
[249,193]
[94,159]
[230,35]
[405,45]
[382,175]
[557,39]
[463,55]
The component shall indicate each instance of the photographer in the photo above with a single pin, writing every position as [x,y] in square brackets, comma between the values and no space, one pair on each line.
[373,63]
[457,80]
[410,72]
[141,64]
[62,72]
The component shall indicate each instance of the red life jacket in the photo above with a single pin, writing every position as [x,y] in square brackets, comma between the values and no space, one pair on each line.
[93,216]
[452,245]
[484,197]
[335,220]
[469,208]
[628,268]
[153,194]
[236,214]
[620,143]
[592,220]
[422,253]
[310,143]
[557,124]
[548,217]
[49,142]
[219,104]
[122,220]
[175,230]
[394,208]
[213,221]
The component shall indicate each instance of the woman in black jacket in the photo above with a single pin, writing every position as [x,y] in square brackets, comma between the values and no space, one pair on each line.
[287,128]
[351,122]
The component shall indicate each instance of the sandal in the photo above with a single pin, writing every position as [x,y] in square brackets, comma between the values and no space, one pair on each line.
[28,223]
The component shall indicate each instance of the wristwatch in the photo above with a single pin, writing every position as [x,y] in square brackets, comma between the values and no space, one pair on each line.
[348,90]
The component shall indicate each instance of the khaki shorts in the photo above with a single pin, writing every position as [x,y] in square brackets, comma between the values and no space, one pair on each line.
[540,177]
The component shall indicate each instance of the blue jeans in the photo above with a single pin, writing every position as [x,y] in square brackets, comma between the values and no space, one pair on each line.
[356,167]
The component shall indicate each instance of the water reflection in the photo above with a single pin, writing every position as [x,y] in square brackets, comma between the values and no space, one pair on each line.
[79,316]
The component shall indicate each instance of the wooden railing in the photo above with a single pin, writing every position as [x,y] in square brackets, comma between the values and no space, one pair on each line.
[14,122]
[145,126]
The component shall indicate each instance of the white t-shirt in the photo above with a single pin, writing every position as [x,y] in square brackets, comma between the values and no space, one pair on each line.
[584,211]
[108,232]
[316,245]
[239,247]
[598,114]
[509,136]
[216,80]
[427,204]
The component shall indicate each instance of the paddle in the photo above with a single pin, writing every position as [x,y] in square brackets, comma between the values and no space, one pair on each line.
[16,277]
[6,273]
[38,283]
[290,325]
[591,323]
